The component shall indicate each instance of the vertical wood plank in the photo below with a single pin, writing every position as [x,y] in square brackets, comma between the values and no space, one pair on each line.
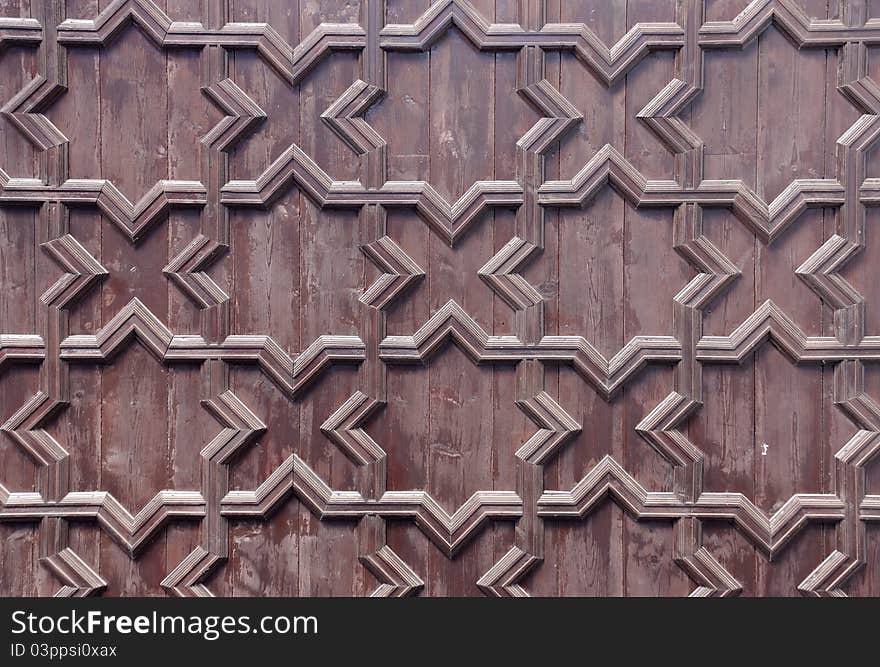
[798,454]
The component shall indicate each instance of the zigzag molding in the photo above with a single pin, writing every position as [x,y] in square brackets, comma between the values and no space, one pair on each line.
[133,219]
[292,63]
[133,319]
[767,220]
[608,64]
[802,30]
[770,533]
[608,375]
[453,323]
[450,532]
[292,166]
[450,220]
[770,322]
[130,531]
[290,374]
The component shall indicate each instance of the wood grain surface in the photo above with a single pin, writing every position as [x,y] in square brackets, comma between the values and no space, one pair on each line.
[471,297]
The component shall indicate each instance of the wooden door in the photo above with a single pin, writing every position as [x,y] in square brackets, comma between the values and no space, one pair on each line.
[503,297]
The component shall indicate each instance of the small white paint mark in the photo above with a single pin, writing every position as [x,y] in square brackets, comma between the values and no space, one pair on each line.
[764,449]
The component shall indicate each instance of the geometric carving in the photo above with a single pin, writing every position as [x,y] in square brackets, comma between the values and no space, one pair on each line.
[342,427]
[505,222]
[499,274]
[187,270]
[80,580]
[400,272]
[500,581]
[345,117]
[83,271]
[20,347]
[557,426]
[184,580]
[398,580]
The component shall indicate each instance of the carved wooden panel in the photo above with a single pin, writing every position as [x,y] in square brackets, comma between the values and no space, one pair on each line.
[392,297]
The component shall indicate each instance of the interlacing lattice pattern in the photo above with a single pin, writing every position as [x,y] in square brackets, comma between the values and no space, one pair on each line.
[54,503]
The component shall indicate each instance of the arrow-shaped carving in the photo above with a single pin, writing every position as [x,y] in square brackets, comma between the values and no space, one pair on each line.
[828,578]
[716,271]
[23,111]
[80,580]
[660,429]
[243,115]
[499,273]
[187,270]
[185,580]
[832,574]
[24,428]
[345,117]
[556,427]
[396,578]
[343,428]
[400,272]
[714,580]
[560,115]
[501,580]
[820,272]
[660,115]
[241,426]
[82,271]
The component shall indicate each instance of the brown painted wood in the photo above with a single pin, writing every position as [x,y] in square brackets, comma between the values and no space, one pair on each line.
[393,297]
